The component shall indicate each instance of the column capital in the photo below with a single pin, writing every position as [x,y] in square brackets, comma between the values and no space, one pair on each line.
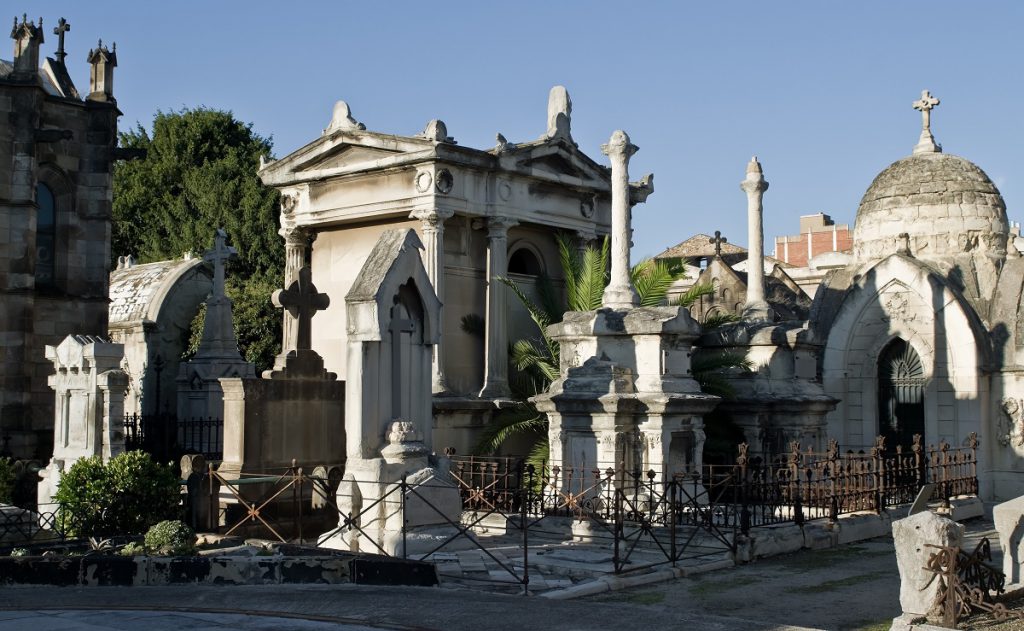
[297,235]
[618,146]
[497,227]
[754,182]
[432,217]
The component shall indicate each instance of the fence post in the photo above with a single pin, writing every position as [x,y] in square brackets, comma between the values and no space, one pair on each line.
[744,481]
[403,488]
[523,501]
[879,473]
[972,444]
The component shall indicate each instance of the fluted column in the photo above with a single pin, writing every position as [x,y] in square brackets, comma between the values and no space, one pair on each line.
[620,293]
[756,308]
[296,247]
[496,360]
[432,229]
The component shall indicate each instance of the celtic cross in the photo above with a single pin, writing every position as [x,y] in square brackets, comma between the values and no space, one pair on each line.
[925,105]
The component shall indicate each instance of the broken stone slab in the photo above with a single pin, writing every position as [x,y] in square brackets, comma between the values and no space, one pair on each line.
[1009,522]
[919,587]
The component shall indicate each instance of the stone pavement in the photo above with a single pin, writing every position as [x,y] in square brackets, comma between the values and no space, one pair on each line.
[93,620]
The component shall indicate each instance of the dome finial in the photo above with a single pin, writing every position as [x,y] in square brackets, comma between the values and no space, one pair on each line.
[926,144]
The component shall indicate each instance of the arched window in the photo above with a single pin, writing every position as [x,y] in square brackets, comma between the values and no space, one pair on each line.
[46,237]
[901,385]
[524,262]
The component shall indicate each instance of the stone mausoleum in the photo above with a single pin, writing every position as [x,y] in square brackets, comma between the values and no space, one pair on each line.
[480,213]
[58,147]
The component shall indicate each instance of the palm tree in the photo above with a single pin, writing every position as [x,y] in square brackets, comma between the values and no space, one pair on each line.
[537,359]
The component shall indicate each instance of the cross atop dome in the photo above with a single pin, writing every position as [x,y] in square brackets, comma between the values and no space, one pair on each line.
[925,105]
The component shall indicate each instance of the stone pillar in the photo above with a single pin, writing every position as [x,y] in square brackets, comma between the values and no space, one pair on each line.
[496,356]
[755,185]
[296,245]
[584,239]
[433,259]
[27,38]
[102,62]
[620,293]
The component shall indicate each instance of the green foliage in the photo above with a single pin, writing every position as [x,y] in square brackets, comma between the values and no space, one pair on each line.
[6,480]
[199,174]
[126,496]
[133,549]
[172,538]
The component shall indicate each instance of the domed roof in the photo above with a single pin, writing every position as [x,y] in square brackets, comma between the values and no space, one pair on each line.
[945,203]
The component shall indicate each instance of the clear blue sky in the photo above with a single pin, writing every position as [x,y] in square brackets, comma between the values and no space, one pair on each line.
[819,91]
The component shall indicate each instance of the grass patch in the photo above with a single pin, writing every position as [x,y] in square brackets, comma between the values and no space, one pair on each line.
[705,588]
[831,586]
[822,559]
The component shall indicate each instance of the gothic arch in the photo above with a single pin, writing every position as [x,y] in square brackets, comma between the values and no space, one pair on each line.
[59,185]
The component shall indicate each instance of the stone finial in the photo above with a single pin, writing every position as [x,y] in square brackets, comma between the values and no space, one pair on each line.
[502,144]
[301,300]
[63,26]
[341,118]
[639,191]
[101,75]
[437,131]
[926,143]
[620,292]
[125,262]
[559,114]
[903,243]
[27,38]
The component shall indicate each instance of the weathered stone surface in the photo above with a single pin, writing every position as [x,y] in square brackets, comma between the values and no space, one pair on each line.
[918,587]
[1009,522]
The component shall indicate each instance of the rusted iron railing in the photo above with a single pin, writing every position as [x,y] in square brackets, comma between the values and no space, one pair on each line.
[967,583]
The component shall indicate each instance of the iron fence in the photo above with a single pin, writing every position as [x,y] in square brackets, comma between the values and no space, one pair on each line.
[166,437]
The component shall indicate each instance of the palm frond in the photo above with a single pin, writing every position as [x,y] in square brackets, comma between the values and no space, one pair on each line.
[592,276]
[718,319]
[538,315]
[521,421]
[569,257]
[695,293]
[653,278]
[705,361]
[526,356]
[473,324]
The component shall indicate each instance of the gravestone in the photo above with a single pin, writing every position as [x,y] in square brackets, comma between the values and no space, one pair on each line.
[919,587]
[294,413]
[199,392]
[393,323]
[90,386]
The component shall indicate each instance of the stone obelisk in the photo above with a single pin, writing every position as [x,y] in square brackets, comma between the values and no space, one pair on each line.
[620,293]
[755,185]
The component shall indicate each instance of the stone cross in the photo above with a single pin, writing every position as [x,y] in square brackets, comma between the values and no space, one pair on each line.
[301,300]
[63,26]
[219,255]
[718,240]
[925,105]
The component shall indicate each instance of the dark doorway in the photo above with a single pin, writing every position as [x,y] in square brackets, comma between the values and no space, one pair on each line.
[900,394]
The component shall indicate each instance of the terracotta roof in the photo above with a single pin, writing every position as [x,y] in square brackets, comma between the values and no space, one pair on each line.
[697,246]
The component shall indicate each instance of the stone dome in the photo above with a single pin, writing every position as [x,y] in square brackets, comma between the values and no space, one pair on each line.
[945,203]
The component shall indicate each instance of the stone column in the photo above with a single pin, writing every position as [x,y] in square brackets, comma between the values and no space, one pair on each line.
[296,244]
[496,356]
[620,293]
[584,239]
[432,229]
[755,185]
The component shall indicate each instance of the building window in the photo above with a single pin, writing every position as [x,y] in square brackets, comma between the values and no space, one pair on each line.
[46,236]
[524,262]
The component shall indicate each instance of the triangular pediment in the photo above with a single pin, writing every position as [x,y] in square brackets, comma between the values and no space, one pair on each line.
[561,160]
[345,156]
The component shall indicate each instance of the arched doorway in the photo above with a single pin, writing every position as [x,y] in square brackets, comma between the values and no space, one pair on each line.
[900,394]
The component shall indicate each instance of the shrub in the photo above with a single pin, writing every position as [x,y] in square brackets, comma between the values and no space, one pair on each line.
[133,549]
[171,537]
[6,480]
[124,497]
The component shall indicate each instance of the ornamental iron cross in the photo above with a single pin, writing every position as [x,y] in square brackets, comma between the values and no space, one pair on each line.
[302,300]
[718,240]
[63,26]
[925,105]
